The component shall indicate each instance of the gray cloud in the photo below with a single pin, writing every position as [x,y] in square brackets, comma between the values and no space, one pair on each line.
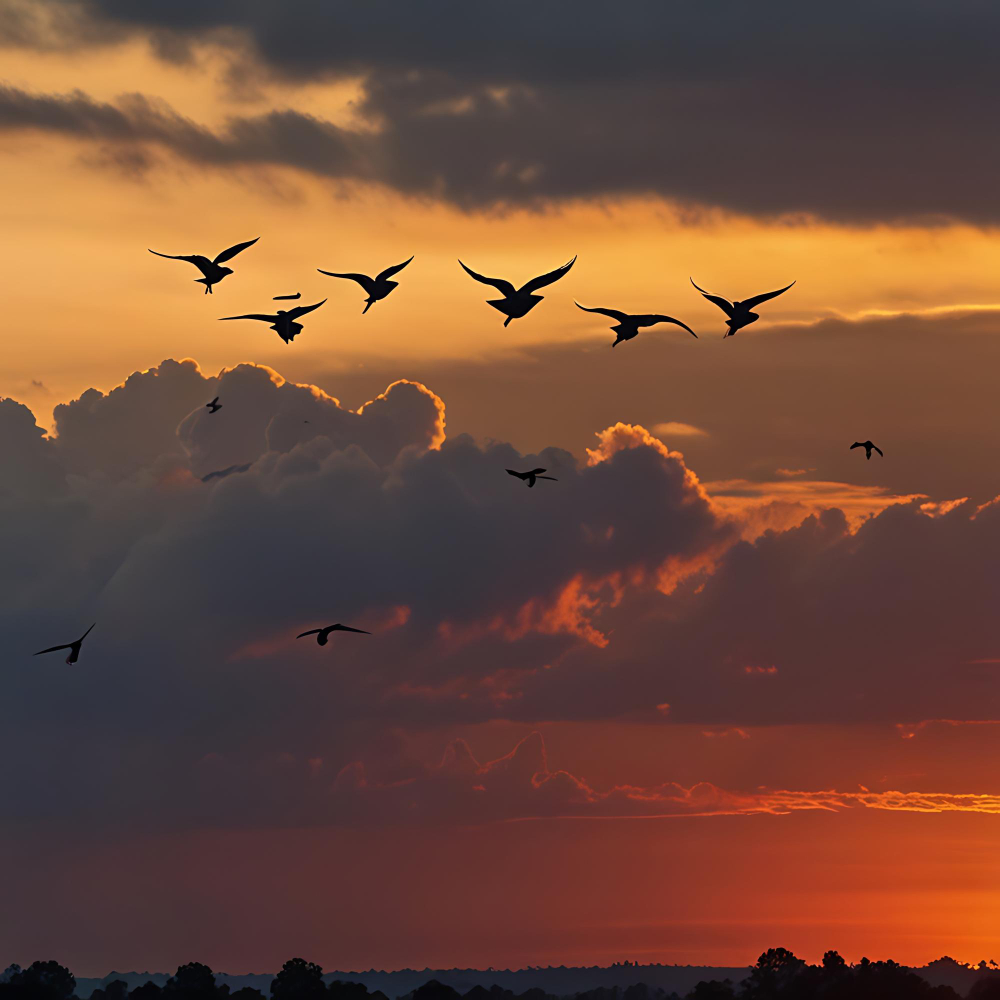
[870,111]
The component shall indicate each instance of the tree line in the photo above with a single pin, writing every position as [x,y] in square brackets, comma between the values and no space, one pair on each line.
[777,975]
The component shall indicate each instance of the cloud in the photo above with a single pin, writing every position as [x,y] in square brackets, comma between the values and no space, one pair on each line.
[626,592]
[674,428]
[465,106]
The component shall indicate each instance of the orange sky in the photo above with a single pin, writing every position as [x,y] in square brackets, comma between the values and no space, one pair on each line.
[896,329]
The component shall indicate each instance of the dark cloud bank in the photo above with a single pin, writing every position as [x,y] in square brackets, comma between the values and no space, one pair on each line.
[619,593]
[857,112]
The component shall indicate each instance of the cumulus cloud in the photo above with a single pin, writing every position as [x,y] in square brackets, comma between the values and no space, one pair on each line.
[626,592]
[462,105]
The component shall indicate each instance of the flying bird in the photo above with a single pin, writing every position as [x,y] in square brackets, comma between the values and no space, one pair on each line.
[73,647]
[323,634]
[739,312]
[377,287]
[278,298]
[214,405]
[868,446]
[530,477]
[517,302]
[628,324]
[210,268]
[284,322]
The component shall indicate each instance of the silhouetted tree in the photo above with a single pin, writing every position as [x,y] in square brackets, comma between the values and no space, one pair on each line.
[299,980]
[246,993]
[433,990]
[117,989]
[985,989]
[147,991]
[712,989]
[40,981]
[193,981]
[341,989]
[772,975]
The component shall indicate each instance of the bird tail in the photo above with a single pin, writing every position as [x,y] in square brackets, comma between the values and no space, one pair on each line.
[368,306]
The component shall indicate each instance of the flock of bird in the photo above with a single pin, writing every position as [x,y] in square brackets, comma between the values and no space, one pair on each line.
[514,304]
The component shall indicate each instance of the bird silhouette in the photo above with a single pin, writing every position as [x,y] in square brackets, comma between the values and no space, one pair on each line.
[284,322]
[377,287]
[868,446]
[531,476]
[73,647]
[628,324]
[278,298]
[517,302]
[214,405]
[323,634]
[739,312]
[210,268]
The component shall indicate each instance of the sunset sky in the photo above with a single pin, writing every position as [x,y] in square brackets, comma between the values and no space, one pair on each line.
[726,685]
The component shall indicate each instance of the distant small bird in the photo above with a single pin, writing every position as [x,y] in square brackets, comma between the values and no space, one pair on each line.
[517,302]
[377,287]
[228,471]
[868,446]
[628,324]
[278,298]
[323,634]
[739,312]
[210,268]
[284,322]
[73,647]
[214,405]
[530,477]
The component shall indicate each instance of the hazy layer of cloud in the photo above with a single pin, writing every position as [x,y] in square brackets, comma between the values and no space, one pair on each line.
[811,110]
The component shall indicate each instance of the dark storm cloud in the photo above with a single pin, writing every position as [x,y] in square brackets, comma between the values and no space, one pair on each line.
[606,595]
[853,112]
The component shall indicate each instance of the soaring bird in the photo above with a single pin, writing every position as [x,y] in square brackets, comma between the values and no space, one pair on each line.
[377,287]
[868,446]
[531,476]
[517,302]
[214,405]
[73,647]
[284,322]
[628,324]
[739,312]
[323,634]
[210,268]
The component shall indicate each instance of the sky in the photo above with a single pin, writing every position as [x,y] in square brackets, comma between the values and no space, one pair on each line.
[725,686]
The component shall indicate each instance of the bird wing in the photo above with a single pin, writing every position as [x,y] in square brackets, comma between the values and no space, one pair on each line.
[233,251]
[347,628]
[214,401]
[199,260]
[311,631]
[85,634]
[535,472]
[651,319]
[297,295]
[302,310]
[613,313]
[263,317]
[724,304]
[52,649]
[368,284]
[857,444]
[553,478]
[390,271]
[878,449]
[520,475]
[757,299]
[505,288]
[546,279]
